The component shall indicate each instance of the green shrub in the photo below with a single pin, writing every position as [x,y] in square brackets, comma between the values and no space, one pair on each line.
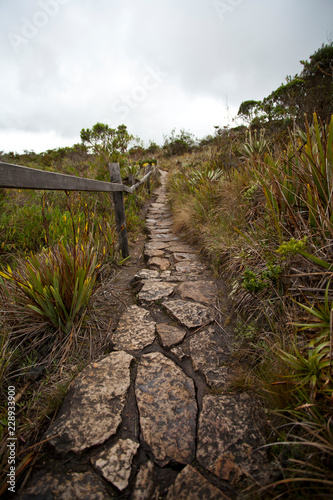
[55,285]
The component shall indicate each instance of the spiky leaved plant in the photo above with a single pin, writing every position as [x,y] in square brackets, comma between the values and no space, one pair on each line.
[55,285]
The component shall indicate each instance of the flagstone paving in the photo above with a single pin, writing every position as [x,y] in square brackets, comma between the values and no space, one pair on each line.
[153,419]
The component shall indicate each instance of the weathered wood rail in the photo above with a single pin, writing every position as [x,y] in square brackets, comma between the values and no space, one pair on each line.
[20,177]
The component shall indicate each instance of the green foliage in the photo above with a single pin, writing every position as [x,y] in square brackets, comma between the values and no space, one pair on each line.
[256,282]
[246,330]
[292,246]
[21,226]
[251,192]
[178,144]
[108,143]
[254,146]
[248,110]
[55,285]
[152,148]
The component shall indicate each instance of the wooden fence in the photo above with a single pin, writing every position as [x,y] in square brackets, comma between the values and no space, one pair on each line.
[16,176]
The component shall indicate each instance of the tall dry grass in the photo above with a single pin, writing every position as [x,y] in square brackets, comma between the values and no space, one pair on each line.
[266,225]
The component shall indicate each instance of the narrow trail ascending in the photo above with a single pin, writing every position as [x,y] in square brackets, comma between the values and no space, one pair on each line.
[152,419]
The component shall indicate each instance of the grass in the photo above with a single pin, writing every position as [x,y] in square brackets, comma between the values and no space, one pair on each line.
[266,225]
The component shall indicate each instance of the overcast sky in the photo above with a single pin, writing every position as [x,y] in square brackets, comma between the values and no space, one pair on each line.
[153,65]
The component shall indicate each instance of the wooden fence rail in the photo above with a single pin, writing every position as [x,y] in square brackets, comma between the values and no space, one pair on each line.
[19,177]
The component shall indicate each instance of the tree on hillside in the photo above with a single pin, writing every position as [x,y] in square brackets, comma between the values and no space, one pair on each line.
[248,110]
[318,87]
[108,143]
[309,92]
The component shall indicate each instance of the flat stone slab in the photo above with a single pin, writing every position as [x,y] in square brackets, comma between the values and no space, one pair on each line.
[228,438]
[115,462]
[156,245]
[178,277]
[153,253]
[167,408]
[164,237]
[190,267]
[170,335]
[189,314]
[159,262]
[135,331]
[157,205]
[150,226]
[190,484]
[209,360]
[153,291]
[100,389]
[147,274]
[182,248]
[65,486]
[160,214]
[159,230]
[164,224]
[204,292]
[184,256]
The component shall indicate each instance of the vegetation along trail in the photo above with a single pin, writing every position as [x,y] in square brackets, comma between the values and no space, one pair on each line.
[153,418]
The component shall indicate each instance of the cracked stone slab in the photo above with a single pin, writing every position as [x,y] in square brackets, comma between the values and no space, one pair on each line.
[228,438]
[155,290]
[209,360]
[100,389]
[204,292]
[135,331]
[115,462]
[190,484]
[144,486]
[167,408]
[170,335]
[159,262]
[66,486]
[189,314]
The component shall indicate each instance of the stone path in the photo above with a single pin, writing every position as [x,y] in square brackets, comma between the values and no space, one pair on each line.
[152,419]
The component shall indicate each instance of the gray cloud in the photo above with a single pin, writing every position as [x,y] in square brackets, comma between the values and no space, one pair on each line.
[67,64]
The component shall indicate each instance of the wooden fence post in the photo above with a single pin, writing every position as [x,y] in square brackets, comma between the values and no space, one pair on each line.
[149,168]
[119,208]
